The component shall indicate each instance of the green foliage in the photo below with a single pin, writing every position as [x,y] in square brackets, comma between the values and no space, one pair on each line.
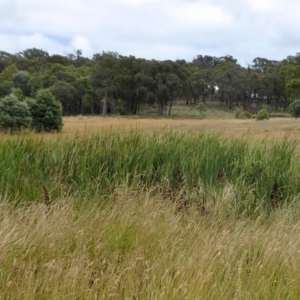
[9,72]
[241,114]
[6,87]
[291,74]
[80,83]
[46,112]
[263,175]
[248,115]
[6,80]
[20,80]
[294,108]
[121,106]
[65,93]
[262,115]
[14,114]
[201,107]
[18,93]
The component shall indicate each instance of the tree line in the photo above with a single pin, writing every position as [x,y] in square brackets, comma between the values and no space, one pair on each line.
[111,83]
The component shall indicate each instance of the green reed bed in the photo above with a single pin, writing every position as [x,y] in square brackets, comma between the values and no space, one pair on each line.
[265,174]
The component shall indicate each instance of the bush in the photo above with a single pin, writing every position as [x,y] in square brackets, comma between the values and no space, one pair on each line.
[248,115]
[46,112]
[241,114]
[294,108]
[14,114]
[262,114]
[18,93]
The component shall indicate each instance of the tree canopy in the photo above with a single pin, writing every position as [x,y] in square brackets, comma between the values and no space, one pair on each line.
[111,83]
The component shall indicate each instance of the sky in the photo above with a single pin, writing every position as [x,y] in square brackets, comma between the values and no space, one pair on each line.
[154,29]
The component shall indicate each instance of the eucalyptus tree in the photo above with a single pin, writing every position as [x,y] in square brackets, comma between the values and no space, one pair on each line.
[66,94]
[206,61]
[198,86]
[257,87]
[163,83]
[232,82]
[31,59]
[144,86]
[7,80]
[58,59]
[85,95]
[102,81]
[291,77]
[270,83]
[128,91]
[34,54]
[20,80]
[6,59]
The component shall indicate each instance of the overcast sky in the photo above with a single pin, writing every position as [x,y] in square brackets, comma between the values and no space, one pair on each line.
[154,29]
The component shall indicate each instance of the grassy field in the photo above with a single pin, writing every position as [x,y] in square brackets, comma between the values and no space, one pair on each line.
[126,208]
[138,247]
[276,127]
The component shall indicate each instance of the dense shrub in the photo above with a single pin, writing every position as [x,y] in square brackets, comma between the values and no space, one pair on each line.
[262,115]
[14,114]
[18,93]
[46,112]
[248,115]
[294,108]
[241,114]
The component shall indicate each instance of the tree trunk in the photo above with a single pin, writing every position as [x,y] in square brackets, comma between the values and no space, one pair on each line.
[160,109]
[80,105]
[170,107]
[277,104]
[104,109]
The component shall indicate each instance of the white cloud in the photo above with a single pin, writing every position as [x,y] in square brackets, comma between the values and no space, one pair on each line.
[264,6]
[168,29]
[18,43]
[201,15]
[82,43]
[137,2]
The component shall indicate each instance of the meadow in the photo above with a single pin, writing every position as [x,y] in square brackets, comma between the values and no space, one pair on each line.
[276,128]
[126,208]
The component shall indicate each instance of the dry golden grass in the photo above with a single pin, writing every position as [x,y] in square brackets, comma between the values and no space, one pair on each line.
[276,128]
[137,247]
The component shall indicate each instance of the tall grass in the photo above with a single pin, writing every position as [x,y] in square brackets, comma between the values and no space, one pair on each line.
[110,231]
[265,174]
[136,247]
